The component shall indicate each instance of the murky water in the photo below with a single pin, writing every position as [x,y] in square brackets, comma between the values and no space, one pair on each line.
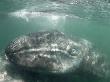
[88,19]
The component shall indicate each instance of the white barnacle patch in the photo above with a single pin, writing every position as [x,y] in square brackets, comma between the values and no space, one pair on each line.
[66,66]
[76,44]
[68,47]
[47,56]
[62,67]
[87,58]
[93,62]
[2,76]
[56,68]
[45,35]
[39,37]
[54,45]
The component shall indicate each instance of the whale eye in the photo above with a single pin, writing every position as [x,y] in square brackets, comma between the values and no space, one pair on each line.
[74,51]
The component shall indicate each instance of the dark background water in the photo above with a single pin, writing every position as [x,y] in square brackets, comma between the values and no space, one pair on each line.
[86,19]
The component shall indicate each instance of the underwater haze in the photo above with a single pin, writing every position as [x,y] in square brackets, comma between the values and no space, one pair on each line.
[86,19]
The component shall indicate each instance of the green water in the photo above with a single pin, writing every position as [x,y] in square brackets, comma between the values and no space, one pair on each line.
[88,19]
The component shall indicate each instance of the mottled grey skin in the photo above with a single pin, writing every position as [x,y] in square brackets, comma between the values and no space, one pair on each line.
[53,52]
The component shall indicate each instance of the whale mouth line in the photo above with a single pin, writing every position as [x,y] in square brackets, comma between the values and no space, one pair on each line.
[40,50]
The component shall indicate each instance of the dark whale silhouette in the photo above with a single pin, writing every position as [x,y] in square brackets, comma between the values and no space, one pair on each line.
[52,52]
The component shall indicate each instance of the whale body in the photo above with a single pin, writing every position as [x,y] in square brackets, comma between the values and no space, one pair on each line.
[53,52]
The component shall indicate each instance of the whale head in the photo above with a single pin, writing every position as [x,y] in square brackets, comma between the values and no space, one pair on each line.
[46,52]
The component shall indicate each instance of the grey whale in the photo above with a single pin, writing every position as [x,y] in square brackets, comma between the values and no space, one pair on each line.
[53,52]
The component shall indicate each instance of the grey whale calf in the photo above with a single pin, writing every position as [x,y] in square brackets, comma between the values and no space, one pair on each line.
[53,52]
